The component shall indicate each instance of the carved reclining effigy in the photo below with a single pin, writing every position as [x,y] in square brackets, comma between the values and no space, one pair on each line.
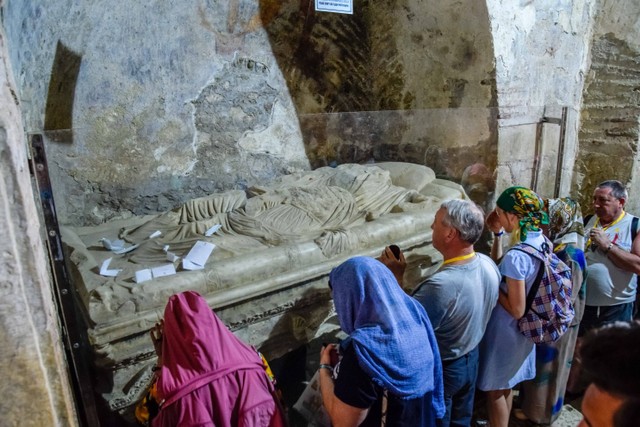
[267,276]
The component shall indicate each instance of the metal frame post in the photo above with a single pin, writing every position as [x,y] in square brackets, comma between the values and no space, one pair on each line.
[73,334]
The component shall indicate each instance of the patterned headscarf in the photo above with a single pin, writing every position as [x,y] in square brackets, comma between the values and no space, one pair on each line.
[566,230]
[565,222]
[527,205]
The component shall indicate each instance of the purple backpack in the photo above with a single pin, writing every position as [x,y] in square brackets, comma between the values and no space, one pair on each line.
[549,311]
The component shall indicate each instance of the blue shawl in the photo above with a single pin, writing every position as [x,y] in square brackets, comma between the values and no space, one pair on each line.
[390,331]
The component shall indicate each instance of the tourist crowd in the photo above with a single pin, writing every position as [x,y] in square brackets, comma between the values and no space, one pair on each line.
[549,314]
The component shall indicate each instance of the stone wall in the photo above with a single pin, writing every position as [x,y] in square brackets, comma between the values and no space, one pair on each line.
[541,50]
[611,108]
[35,389]
[165,101]
[186,100]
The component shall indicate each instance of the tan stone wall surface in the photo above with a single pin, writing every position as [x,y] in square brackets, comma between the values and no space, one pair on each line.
[34,386]
[610,113]
[541,50]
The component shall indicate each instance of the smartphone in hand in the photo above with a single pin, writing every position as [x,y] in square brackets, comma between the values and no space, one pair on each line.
[396,251]
[335,354]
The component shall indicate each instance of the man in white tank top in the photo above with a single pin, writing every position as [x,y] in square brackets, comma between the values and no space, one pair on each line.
[613,259]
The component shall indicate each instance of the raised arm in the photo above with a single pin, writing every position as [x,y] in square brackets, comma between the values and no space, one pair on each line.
[156,334]
[493,224]
[629,261]
[396,265]
[341,414]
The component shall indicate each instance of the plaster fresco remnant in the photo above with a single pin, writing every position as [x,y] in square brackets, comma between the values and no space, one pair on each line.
[134,137]
[229,114]
[541,54]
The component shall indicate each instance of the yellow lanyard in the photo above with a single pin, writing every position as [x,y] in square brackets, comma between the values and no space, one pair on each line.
[617,220]
[459,258]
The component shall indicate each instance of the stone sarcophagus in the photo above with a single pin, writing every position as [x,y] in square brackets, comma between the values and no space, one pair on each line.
[267,275]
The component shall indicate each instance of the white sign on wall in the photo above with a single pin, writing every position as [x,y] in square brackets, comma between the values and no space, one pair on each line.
[335,6]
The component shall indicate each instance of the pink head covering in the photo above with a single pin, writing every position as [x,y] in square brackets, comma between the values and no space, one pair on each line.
[209,378]
[197,347]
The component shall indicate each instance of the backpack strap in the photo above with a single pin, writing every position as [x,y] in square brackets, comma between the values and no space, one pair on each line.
[539,255]
[534,288]
[586,219]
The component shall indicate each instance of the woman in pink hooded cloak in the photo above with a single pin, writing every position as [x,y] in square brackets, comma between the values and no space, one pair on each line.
[207,376]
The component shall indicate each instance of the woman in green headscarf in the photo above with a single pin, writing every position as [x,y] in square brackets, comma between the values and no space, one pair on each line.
[542,398]
[506,356]
[524,209]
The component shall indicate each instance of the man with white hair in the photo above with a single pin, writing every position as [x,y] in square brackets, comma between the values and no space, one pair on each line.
[459,299]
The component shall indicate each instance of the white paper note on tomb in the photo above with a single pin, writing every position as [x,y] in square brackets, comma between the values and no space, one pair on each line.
[143,275]
[172,257]
[212,230]
[114,245]
[117,246]
[125,250]
[104,269]
[163,270]
[198,255]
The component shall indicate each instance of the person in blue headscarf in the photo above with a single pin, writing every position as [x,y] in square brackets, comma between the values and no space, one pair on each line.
[389,369]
